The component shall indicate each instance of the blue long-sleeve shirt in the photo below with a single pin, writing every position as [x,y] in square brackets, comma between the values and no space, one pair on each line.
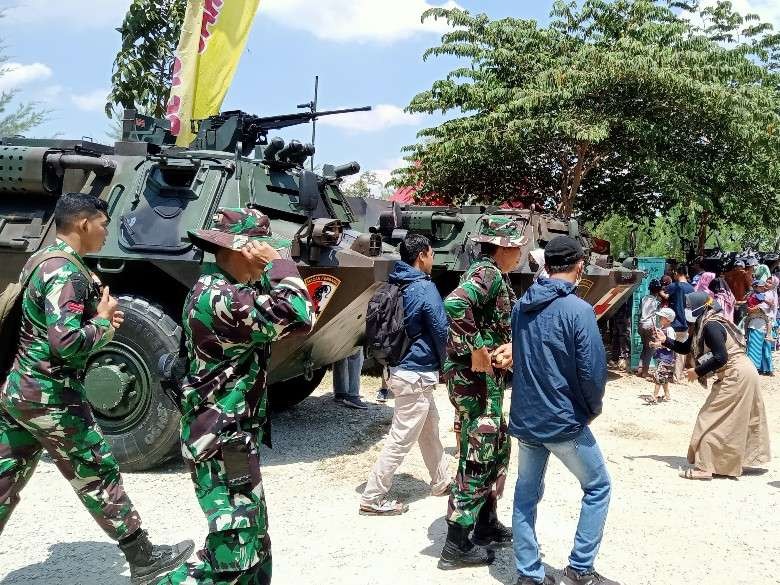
[560,366]
[424,317]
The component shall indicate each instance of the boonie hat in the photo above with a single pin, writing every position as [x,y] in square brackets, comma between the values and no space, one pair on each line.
[500,230]
[563,251]
[739,264]
[666,313]
[234,228]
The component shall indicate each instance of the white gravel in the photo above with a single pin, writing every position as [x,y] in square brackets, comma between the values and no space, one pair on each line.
[662,530]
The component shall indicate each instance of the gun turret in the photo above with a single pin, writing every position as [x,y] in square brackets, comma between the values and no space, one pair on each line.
[224,131]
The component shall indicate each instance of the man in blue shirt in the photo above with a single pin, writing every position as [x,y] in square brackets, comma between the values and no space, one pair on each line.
[560,373]
[412,382]
[676,293]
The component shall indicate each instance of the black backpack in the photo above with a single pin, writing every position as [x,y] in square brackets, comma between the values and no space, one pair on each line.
[387,340]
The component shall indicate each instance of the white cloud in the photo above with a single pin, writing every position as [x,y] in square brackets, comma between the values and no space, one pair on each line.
[381,117]
[14,75]
[383,174]
[356,20]
[93,101]
[75,14]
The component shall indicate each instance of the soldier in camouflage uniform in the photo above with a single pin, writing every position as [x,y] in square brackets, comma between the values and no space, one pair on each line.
[65,317]
[478,356]
[229,323]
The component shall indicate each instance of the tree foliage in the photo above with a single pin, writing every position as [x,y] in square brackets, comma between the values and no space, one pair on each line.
[618,106]
[24,116]
[143,67]
[367,185]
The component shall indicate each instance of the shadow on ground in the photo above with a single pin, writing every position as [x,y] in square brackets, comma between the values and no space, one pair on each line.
[74,563]
[317,429]
[406,488]
[672,461]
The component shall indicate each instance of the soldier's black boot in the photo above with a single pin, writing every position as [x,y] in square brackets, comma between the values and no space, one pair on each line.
[147,561]
[459,551]
[489,530]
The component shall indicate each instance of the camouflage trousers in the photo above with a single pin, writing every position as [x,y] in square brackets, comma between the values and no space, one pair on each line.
[73,440]
[237,548]
[483,443]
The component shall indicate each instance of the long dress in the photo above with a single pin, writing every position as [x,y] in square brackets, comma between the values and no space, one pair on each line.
[731,430]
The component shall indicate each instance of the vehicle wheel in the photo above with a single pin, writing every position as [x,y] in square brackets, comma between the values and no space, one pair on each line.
[123,386]
[283,395]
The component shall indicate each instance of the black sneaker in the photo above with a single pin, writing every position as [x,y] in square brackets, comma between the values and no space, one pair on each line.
[572,577]
[353,402]
[147,561]
[528,581]
[381,395]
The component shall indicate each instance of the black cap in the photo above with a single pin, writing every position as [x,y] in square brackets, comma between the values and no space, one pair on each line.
[563,251]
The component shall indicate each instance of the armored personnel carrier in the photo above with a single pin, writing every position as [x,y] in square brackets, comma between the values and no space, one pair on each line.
[604,286]
[156,192]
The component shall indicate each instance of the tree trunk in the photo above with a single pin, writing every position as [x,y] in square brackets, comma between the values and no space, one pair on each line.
[701,236]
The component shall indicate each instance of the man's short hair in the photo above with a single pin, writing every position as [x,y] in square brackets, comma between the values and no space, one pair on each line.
[412,246]
[561,269]
[488,249]
[681,270]
[72,207]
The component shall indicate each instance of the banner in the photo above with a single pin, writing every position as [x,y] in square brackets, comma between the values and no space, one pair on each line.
[213,36]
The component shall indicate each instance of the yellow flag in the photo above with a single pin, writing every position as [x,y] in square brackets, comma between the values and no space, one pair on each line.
[213,37]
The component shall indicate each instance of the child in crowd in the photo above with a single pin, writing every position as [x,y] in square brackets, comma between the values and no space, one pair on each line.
[664,357]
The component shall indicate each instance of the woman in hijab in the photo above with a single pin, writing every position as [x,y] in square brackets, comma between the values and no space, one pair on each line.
[703,285]
[723,296]
[762,273]
[731,431]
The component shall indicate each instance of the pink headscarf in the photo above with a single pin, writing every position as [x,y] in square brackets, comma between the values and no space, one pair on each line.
[704,282]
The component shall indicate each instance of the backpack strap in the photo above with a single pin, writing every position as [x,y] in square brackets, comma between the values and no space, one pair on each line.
[30,268]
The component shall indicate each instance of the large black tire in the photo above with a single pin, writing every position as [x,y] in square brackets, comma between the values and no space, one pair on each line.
[143,429]
[284,395]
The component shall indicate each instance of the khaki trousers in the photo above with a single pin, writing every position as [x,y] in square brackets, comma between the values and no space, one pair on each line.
[415,420]
[679,359]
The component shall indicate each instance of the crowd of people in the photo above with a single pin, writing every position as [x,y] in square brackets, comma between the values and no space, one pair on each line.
[481,341]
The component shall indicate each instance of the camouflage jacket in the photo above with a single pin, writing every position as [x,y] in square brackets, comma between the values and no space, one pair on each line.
[59,332]
[480,310]
[228,327]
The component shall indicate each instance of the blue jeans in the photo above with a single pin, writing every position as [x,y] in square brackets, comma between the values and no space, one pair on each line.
[582,456]
[346,375]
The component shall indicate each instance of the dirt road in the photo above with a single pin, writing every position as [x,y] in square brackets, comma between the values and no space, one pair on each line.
[661,530]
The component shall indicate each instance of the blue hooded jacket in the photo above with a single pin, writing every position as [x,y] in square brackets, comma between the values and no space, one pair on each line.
[560,366]
[424,317]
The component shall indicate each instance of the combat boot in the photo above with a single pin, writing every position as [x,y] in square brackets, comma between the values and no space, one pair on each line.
[148,561]
[488,530]
[460,552]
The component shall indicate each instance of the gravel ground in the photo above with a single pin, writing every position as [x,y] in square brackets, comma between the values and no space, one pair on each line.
[662,530]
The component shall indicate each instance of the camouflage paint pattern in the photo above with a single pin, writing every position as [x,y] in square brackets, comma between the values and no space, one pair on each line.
[479,310]
[42,404]
[501,230]
[228,327]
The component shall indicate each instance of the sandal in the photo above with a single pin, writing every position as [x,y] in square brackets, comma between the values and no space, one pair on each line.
[693,473]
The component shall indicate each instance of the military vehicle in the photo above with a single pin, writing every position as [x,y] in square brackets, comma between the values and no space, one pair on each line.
[604,286]
[156,192]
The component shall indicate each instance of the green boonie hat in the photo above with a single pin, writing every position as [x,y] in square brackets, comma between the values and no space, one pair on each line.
[500,230]
[234,228]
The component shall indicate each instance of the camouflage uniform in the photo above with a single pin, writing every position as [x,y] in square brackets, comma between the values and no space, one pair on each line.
[479,311]
[43,405]
[228,328]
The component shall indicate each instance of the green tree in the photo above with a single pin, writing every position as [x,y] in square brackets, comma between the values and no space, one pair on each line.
[24,116]
[143,67]
[367,185]
[620,106]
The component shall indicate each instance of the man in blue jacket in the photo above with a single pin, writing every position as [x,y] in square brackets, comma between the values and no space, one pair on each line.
[412,382]
[557,390]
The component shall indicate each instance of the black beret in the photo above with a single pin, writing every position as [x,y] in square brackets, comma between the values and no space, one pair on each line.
[563,251]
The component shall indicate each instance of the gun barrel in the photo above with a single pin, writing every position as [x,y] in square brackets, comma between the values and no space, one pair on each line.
[448,219]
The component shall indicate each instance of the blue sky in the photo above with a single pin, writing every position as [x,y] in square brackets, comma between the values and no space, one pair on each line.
[367,52]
